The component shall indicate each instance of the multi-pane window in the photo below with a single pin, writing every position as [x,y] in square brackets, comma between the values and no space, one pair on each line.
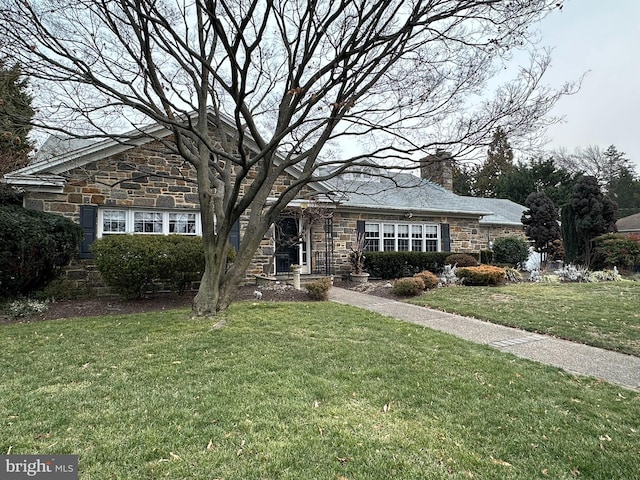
[372,237]
[401,237]
[417,238]
[184,223]
[147,222]
[140,221]
[431,238]
[389,244]
[114,221]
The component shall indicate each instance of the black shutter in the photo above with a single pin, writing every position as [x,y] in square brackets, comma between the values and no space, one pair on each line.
[88,218]
[445,237]
[234,235]
[360,227]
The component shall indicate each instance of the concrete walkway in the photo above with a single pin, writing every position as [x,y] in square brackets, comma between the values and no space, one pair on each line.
[617,368]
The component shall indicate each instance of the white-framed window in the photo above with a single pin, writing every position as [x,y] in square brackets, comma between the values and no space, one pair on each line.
[401,237]
[152,222]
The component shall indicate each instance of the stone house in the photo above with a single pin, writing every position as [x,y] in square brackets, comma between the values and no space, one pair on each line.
[114,188]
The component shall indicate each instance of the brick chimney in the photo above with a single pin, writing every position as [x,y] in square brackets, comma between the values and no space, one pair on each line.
[438,168]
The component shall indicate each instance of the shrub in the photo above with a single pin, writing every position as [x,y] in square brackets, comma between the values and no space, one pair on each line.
[449,276]
[486,256]
[603,276]
[64,289]
[571,273]
[319,289]
[461,260]
[181,261]
[428,278]
[130,264]
[388,265]
[511,250]
[613,250]
[408,287]
[482,275]
[34,248]
[512,275]
[26,306]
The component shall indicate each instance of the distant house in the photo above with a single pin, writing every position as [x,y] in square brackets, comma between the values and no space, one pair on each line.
[629,225]
[111,188]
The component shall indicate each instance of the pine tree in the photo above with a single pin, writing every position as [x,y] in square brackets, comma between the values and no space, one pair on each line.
[16,113]
[499,162]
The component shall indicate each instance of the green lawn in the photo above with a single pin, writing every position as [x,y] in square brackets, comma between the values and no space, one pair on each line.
[301,391]
[605,315]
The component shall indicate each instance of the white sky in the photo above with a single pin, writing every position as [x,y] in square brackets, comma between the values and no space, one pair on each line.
[602,39]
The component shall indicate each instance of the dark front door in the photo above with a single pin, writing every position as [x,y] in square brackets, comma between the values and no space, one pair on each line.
[287,244]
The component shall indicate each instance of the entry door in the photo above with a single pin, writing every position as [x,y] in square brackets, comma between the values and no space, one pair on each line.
[287,244]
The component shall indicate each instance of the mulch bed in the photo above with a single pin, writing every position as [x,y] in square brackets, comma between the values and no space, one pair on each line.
[113,305]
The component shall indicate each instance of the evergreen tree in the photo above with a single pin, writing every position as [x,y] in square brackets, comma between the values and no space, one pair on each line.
[541,222]
[625,191]
[539,175]
[15,117]
[499,162]
[594,214]
[463,180]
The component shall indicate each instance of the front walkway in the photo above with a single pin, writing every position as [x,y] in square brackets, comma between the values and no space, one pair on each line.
[613,367]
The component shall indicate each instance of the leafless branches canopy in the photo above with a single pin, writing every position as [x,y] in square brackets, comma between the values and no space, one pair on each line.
[294,79]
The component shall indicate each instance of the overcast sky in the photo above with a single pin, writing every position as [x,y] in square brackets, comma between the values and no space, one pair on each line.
[602,39]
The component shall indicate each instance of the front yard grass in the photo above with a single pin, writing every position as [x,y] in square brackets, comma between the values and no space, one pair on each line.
[605,315]
[301,390]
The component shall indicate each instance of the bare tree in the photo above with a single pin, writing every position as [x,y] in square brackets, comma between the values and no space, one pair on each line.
[293,78]
[606,166]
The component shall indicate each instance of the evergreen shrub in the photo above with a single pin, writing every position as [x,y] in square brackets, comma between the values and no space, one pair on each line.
[34,248]
[429,279]
[510,250]
[462,260]
[319,289]
[408,287]
[482,275]
[612,250]
[131,264]
[389,265]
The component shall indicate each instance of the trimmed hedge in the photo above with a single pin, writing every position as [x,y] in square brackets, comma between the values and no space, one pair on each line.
[462,260]
[482,275]
[388,265]
[131,264]
[34,248]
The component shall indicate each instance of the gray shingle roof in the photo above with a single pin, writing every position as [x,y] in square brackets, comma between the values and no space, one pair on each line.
[504,212]
[629,224]
[406,193]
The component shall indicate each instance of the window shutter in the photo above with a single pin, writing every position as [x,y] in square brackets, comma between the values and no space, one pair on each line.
[445,237]
[88,217]
[360,227]
[234,235]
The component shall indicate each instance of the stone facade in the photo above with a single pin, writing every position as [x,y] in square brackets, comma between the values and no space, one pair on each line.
[145,177]
[151,178]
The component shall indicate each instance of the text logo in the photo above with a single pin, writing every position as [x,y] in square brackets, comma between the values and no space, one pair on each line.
[45,467]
